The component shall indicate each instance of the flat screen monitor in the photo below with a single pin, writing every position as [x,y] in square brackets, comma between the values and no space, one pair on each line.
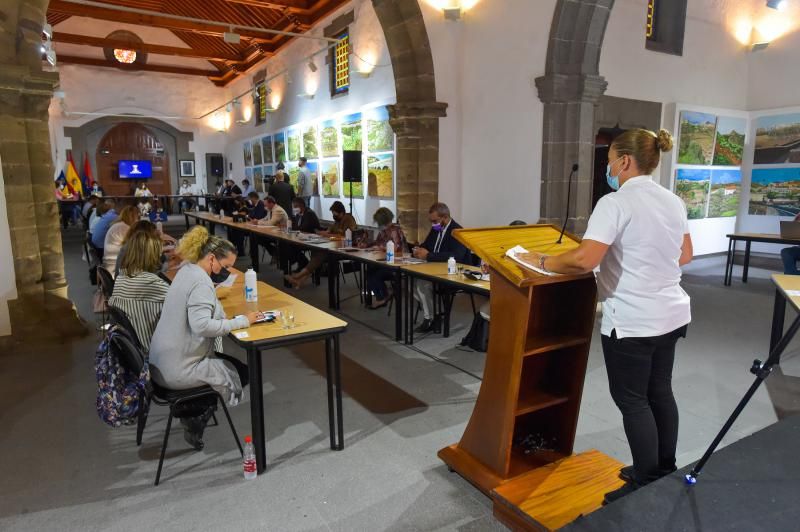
[135,169]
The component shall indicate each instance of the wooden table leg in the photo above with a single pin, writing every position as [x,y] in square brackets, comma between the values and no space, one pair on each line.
[746,261]
[257,408]
[778,316]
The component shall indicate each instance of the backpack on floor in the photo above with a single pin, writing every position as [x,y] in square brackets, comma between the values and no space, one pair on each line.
[120,391]
[478,336]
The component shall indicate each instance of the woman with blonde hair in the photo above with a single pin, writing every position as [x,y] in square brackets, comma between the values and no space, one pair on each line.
[116,235]
[139,290]
[639,237]
[184,352]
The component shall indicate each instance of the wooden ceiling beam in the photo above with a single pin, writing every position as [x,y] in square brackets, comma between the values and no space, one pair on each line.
[98,42]
[91,61]
[297,6]
[155,21]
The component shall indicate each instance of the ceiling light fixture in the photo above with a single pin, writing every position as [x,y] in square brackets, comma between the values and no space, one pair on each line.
[231,37]
[780,5]
[47,30]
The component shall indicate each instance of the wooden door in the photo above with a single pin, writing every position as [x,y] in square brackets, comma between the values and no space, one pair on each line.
[130,141]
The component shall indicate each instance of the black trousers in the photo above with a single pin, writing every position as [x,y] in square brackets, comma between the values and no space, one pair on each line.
[640,379]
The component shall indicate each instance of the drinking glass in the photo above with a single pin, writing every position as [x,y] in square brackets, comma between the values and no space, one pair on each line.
[290,316]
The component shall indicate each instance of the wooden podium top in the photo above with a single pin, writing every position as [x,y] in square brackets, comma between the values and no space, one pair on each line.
[491,244]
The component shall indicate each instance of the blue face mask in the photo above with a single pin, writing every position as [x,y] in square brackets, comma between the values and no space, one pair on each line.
[613,181]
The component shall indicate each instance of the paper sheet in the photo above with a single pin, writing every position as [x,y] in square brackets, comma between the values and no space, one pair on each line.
[793,293]
[228,283]
[512,254]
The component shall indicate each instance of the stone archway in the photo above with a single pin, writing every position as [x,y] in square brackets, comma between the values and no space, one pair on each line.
[25,94]
[415,116]
[570,90]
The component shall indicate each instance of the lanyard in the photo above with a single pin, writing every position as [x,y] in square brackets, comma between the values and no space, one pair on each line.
[440,238]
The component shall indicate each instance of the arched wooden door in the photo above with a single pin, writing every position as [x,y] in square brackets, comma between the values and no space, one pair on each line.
[130,141]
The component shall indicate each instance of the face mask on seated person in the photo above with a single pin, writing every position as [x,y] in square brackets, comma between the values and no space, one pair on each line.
[221,276]
[438,227]
[296,211]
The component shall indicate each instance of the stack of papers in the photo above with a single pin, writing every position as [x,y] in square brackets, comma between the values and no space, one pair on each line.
[512,254]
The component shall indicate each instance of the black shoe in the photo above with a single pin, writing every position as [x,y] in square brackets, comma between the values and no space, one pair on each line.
[426,326]
[627,473]
[627,489]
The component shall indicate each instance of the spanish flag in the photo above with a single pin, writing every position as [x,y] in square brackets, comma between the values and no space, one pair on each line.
[73,179]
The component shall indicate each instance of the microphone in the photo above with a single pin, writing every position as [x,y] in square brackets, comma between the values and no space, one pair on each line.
[569,193]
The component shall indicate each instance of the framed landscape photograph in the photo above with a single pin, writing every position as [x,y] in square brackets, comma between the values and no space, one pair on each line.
[729,143]
[696,140]
[280,147]
[310,142]
[777,139]
[248,154]
[380,176]
[257,159]
[726,192]
[380,136]
[187,168]
[313,169]
[293,171]
[293,142]
[351,132]
[330,178]
[266,147]
[775,192]
[692,186]
[258,179]
[329,139]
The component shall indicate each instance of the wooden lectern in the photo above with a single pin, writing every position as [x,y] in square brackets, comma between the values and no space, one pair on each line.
[527,409]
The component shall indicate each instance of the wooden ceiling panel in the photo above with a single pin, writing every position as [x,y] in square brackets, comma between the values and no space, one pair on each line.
[205,39]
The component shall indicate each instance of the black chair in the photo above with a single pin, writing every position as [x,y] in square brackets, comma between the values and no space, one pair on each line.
[131,357]
[107,287]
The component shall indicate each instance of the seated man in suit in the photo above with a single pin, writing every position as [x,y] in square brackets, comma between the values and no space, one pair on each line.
[439,246]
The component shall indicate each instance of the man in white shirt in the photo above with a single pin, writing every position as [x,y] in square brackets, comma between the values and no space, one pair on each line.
[185,203]
[247,188]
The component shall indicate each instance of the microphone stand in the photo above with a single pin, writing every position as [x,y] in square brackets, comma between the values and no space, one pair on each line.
[569,193]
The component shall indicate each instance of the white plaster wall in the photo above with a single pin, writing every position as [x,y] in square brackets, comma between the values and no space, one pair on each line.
[8,283]
[368,42]
[773,76]
[491,142]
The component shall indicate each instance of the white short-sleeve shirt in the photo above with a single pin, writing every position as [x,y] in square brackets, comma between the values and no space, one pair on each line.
[639,279]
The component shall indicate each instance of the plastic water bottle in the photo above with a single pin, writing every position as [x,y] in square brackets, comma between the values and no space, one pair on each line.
[390,252]
[160,227]
[249,460]
[451,266]
[250,286]
[348,238]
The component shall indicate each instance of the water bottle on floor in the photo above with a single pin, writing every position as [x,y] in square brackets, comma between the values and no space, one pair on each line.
[249,461]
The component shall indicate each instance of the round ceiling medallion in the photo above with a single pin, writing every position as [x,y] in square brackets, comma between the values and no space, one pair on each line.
[127,50]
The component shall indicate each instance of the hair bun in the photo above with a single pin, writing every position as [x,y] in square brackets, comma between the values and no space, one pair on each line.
[664,140]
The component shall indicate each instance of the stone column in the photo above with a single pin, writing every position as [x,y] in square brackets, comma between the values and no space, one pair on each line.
[42,309]
[569,109]
[417,130]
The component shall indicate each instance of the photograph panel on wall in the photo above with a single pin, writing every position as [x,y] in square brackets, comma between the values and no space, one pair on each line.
[775,191]
[187,168]
[294,171]
[310,142]
[692,186]
[380,176]
[380,136]
[257,158]
[696,140]
[351,132]
[330,178]
[266,147]
[293,144]
[258,179]
[777,139]
[248,153]
[280,147]
[313,170]
[729,144]
[329,139]
[269,175]
[726,192]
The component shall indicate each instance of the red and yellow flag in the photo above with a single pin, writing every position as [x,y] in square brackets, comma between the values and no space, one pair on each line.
[71,173]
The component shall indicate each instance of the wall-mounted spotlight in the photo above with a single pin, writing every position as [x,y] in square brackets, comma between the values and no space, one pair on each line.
[780,5]
[758,46]
[452,13]
[306,95]
[311,66]
[47,30]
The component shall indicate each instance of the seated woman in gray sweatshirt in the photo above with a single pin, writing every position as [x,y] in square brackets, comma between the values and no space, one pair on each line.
[184,351]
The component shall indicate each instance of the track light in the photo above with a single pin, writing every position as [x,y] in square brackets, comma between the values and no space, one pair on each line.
[780,5]
[311,66]
[47,30]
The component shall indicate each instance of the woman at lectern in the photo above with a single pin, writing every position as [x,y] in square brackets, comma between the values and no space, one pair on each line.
[639,238]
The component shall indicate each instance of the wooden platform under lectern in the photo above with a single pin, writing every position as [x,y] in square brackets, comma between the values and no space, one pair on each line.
[541,327]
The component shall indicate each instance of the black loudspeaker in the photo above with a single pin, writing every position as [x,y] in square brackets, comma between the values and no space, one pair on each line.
[351,166]
[217,165]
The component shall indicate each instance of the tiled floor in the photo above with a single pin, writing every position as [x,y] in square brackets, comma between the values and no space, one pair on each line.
[64,470]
